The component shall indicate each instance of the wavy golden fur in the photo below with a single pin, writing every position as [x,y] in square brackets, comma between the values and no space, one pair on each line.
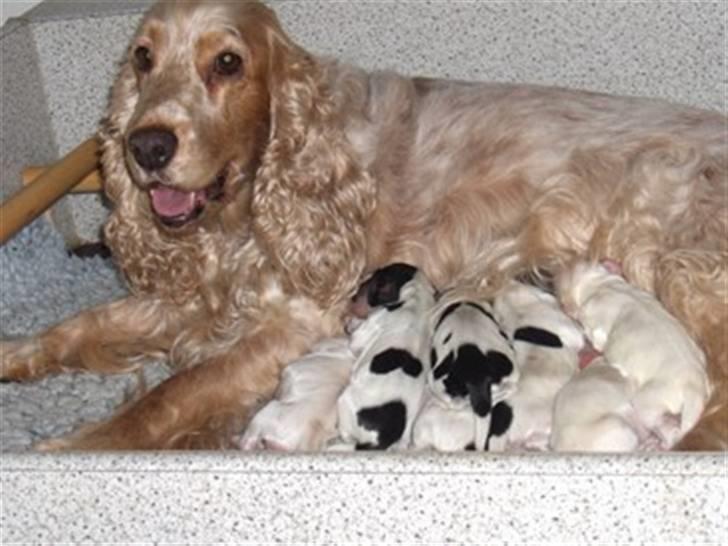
[329,172]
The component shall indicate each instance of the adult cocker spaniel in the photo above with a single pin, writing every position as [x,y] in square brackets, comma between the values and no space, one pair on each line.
[254,184]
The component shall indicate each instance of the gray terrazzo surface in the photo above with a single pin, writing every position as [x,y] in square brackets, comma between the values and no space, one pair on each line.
[374,499]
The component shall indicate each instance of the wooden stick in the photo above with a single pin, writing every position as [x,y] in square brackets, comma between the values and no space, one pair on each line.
[31,201]
[89,184]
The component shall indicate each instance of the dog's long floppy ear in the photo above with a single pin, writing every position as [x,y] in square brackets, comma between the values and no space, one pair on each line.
[311,199]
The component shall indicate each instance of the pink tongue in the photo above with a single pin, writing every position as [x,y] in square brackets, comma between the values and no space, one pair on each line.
[170,202]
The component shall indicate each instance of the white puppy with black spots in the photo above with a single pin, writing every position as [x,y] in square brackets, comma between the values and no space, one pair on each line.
[302,416]
[547,345]
[472,370]
[655,372]
[378,407]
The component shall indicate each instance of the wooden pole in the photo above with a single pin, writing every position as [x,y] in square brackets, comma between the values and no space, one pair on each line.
[31,201]
[89,184]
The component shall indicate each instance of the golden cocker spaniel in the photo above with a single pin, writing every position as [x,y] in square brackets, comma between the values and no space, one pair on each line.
[254,184]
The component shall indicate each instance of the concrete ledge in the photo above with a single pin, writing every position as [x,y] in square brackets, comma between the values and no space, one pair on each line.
[372,498]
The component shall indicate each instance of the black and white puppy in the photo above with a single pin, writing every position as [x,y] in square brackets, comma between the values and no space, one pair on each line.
[472,363]
[547,344]
[377,409]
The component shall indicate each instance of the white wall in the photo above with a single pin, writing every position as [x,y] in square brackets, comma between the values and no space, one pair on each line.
[14,8]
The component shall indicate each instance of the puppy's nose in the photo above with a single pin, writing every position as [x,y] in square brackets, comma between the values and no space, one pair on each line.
[152,148]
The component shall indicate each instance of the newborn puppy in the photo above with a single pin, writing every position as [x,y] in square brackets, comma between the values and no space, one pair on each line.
[593,412]
[663,365]
[472,362]
[377,409]
[546,344]
[302,416]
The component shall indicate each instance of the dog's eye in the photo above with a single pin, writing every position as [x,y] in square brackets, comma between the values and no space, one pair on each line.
[228,64]
[143,59]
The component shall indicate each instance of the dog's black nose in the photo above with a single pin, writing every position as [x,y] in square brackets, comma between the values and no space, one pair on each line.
[152,148]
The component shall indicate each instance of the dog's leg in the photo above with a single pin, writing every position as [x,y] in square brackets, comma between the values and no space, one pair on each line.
[103,339]
[199,406]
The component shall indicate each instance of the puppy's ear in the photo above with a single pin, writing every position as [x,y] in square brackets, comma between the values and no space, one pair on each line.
[311,198]
[382,291]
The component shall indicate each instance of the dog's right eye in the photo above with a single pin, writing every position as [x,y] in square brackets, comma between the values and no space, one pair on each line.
[143,59]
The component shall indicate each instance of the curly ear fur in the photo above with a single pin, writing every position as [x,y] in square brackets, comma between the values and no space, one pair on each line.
[152,262]
[311,200]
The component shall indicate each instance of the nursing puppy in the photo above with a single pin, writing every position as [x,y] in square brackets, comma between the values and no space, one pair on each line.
[594,412]
[664,367]
[302,416]
[377,409]
[472,362]
[546,344]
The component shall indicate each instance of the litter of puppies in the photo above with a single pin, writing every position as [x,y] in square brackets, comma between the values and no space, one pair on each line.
[598,366]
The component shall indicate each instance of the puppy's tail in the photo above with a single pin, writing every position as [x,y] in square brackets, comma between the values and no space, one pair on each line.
[481,402]
[482,430]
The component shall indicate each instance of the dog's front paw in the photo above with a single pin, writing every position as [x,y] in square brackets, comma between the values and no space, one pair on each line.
[21,360]
[53,444]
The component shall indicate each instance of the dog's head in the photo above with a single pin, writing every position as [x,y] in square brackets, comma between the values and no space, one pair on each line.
[217,123]
[190,115]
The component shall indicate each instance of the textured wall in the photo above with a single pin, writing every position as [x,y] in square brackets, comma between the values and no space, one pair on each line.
[672,50]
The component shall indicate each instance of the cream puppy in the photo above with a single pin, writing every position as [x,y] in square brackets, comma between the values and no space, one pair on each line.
[546,344]
[302,416]
[664,367]
[594,412]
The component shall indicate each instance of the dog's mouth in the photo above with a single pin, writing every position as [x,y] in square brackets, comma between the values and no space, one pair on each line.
[176,208]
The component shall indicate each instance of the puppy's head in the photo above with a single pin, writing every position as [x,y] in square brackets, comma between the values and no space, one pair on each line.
[387,287]
[576,283]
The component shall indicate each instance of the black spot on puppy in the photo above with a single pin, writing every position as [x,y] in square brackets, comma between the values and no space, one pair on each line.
[395,359]
[433,358]
[472,367]
[480,397]
[537,336]
[500,421]
[388,420]
[384,285]
[444,367]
